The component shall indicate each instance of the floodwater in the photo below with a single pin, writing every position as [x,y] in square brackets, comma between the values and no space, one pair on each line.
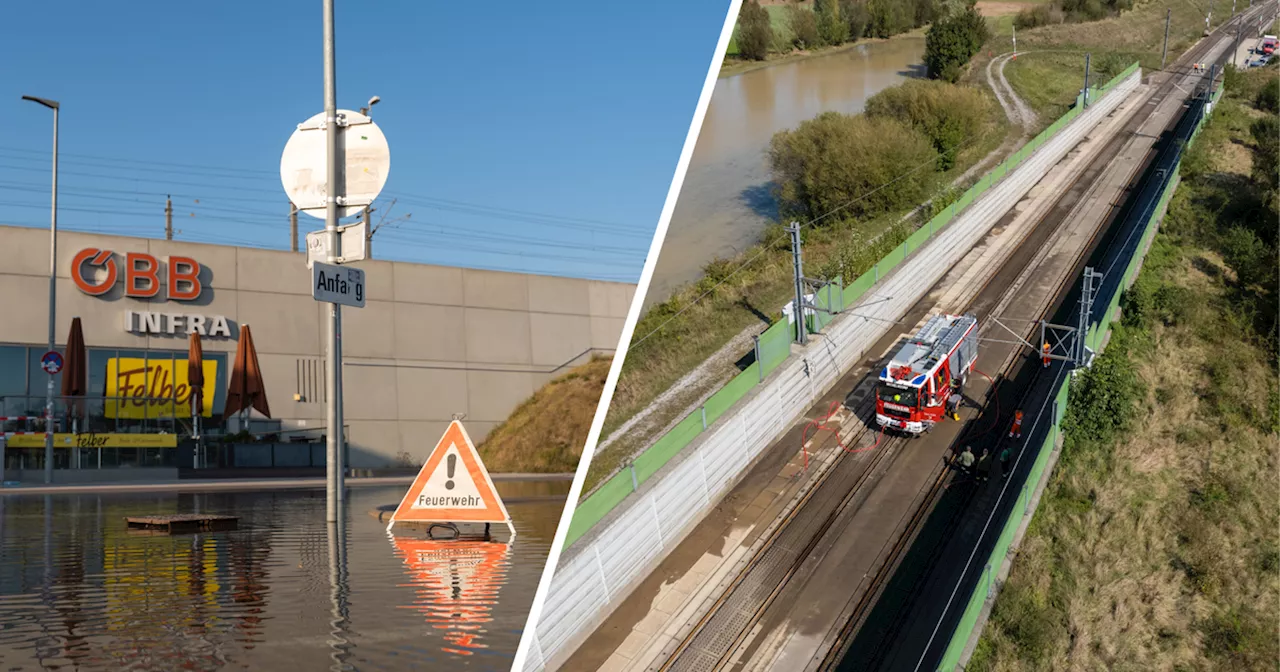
[725,202]
[79,591]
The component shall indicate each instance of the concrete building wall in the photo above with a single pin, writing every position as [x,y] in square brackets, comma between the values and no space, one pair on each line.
[430,342]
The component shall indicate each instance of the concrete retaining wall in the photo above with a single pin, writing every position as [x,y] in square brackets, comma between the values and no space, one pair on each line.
[601,569]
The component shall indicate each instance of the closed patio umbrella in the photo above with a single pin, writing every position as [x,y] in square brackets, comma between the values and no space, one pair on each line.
[195,380]
[246,390]
[74,368]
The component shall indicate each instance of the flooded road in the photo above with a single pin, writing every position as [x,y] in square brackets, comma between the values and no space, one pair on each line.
[725,202]
[79,591]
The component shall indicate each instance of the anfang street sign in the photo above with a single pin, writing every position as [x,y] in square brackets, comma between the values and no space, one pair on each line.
[337,284]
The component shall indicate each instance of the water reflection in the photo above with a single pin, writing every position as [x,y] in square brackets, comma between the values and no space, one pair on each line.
[284,591]
[725,201]
[457,584]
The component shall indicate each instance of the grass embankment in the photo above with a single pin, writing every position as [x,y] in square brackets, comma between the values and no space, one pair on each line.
[1155,543]
[751,287]
[546,434]
[1051,75]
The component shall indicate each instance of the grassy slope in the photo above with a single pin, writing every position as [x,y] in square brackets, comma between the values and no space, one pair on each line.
[1050,80]
[547,432]
[1156,548]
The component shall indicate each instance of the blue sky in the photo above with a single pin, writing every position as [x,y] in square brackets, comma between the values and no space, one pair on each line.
[537,137]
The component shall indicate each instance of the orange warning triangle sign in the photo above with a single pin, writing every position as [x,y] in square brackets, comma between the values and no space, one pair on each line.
[453,486]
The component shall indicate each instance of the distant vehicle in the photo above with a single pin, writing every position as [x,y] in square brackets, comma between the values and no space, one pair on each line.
[1269,43]
[914,387]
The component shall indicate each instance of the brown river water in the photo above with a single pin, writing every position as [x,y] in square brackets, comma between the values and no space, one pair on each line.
[282,592]
[725,202]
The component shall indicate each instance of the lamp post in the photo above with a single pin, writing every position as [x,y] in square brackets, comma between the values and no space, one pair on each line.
[53,288]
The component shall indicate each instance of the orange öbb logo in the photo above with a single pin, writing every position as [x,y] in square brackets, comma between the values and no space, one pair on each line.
[142,275]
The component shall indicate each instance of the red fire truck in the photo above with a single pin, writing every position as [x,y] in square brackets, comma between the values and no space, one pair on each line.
[912,394]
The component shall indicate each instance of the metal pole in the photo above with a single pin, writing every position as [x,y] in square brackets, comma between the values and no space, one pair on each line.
[1235,48]
[1208,19]
[333,332]
[53,304]
[368,232]
[293,227]
[1164,54]
[168,218]
[802,334]
[1086,81]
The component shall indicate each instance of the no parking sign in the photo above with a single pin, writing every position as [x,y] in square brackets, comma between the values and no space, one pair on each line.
[51,362]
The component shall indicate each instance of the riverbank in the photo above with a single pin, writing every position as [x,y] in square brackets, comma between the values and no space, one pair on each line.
[733,65]
[1147,543]
[227,484]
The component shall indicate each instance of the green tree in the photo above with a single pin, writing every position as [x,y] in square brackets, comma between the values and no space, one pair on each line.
[856,18]
[755,32]
[804,27]
[952,41]
[889,17]
[926,11]
[863,165]
[830,27]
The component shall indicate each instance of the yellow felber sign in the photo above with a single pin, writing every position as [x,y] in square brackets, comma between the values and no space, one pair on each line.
[155,389]
[96,441]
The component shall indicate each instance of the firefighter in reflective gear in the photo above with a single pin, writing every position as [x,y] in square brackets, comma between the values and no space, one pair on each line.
[966,460]
[1046,354]
[953,404]
[1015,432]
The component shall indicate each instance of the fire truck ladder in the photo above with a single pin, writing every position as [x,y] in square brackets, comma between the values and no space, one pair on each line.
[1066,343]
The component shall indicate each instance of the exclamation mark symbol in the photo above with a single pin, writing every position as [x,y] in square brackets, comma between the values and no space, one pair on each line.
[452,463]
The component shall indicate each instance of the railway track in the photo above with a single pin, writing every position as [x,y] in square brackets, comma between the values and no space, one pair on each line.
[716,639]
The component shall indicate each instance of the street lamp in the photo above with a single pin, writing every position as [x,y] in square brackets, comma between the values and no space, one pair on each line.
[53,288]
[372,101]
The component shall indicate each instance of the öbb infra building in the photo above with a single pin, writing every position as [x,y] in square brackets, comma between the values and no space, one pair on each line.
[432,342]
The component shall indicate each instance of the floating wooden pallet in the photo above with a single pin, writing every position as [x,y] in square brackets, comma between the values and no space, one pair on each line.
[183,522]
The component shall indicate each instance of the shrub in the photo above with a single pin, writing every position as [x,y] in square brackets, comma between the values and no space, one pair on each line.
[830,160]
[1266,159]
[951,42]
[1032,17]
[755,33]
[949,115]
[1268,99]
[804,27]
[1103,400]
